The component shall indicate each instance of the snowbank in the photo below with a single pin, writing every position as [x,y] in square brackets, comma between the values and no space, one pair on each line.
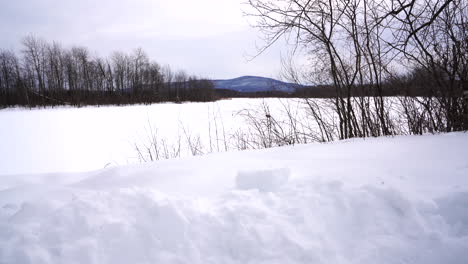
[386,200]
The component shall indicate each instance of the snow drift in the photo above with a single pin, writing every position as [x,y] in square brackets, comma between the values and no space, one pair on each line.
[386,200]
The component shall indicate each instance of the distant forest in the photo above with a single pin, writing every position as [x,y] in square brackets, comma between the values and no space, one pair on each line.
[48,74]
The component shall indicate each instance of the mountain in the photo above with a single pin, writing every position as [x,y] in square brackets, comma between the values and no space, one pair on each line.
[251,84]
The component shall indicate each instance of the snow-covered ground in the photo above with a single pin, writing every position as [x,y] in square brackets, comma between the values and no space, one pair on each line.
[381,200]
[91,138]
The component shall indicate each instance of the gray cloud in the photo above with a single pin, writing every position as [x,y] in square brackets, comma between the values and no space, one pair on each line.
[206,37]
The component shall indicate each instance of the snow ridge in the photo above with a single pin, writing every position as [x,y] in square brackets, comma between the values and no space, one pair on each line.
[304,222]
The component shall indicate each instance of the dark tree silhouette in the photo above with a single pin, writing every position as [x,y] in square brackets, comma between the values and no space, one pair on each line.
[48,74]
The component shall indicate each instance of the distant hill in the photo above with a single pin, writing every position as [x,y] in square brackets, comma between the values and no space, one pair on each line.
[253,84]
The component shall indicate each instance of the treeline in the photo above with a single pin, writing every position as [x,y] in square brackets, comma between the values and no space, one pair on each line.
[418,82]
[48,74]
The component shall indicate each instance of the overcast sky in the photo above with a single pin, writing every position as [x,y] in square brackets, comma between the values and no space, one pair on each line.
[210,38]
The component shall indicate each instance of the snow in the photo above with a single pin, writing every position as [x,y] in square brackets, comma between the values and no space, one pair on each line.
[90,138]
[382,200]
[263,180]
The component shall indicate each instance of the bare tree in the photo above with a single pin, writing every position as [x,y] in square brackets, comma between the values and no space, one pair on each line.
[34,56]
[140,62]
[357,46]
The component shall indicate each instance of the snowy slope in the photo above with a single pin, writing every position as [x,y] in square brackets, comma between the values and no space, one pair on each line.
[254,84]
[385,200]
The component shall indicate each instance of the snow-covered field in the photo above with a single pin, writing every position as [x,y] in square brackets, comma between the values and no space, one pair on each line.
[382,200]
[91,138]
